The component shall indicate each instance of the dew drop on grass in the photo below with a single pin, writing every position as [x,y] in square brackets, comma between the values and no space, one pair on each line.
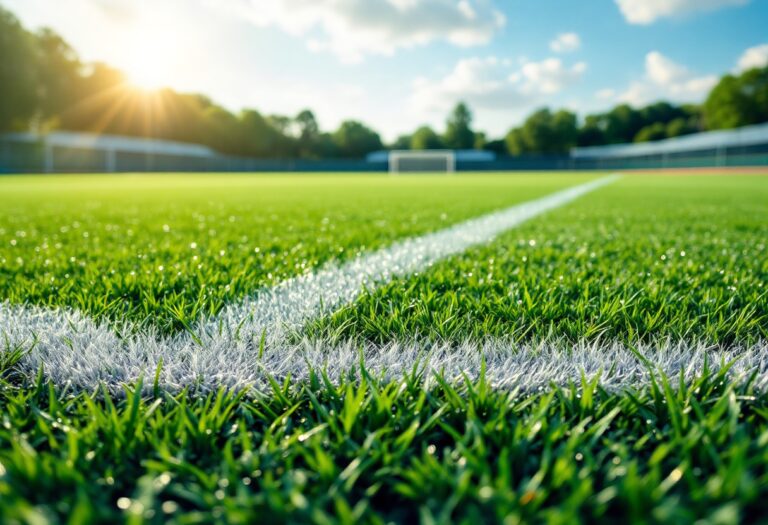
[169,507]
[485,493]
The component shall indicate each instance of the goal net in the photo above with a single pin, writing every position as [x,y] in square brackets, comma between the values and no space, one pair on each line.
[409,161]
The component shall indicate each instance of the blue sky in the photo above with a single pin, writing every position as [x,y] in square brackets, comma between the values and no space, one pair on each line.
[396,64]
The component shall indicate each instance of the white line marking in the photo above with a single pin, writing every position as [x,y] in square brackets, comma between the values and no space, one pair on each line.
[236,364]
[292,303]
[74,348]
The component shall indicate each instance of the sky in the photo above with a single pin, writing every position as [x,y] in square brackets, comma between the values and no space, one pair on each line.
[398,64]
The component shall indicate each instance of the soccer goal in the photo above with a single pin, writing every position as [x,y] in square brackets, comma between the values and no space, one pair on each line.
[409,161]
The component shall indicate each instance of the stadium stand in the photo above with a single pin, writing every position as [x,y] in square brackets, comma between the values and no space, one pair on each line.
[63,151]
[746,146]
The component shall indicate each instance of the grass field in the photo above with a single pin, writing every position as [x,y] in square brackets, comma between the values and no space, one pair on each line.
[649,279]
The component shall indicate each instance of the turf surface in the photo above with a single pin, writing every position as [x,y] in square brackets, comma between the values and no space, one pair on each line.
[169,248]
[607,266]
[388,452]
[644,259]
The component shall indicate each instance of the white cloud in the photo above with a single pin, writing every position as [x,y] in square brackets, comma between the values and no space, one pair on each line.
[482,82]
[548,76]
[493,83]
[753,57]
[565,43]
[645,12]
[499,91]
[666,79]
[662,71]
[353,29]
[605,94]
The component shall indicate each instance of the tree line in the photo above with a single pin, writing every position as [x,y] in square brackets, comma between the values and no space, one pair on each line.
[45,86]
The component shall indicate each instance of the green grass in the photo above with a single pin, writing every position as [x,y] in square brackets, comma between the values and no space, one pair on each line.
[644,259]
[168,248]
[608,266]
[388,452]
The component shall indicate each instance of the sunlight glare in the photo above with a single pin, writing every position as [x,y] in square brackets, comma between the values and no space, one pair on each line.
[154,51]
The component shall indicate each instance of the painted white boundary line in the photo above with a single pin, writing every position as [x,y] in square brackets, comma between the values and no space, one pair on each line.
[224,349]
[238,363]
[292,303]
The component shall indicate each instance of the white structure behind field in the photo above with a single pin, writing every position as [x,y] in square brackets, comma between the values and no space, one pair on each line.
[71,151]
[721,146]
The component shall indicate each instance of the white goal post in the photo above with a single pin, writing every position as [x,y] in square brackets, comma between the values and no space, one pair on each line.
[409,161]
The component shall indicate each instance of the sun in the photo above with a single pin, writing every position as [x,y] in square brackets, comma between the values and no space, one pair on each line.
[152,54]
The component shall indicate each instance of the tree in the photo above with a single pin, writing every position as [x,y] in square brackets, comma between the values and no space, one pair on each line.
[499,147]
[309,132]
[426,138]
[18,74]
[222,130]
[516,142]
[97,104]
[326,147]
[402,142]
[544,132]
[307,124]
[281,123]
[592,132]
[660,112]
[61,81]
[680,126]
[261,138]
[738,100]
[656,131]
[480,140]
[622,124]
[566,131]
[458,132]
[356,140]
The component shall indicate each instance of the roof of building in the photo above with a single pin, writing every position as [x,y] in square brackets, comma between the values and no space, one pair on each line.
[746,136]
[70,139]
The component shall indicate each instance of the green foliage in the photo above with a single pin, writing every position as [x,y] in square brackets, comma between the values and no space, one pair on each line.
[387,451]
[272,135]
[481,139]
[657,131]
[681,126]
[402,142]
[426,138]
[309,133]
[18,75]
[356,140]
[557,133]
[544,132]
[59,74]
[458,131]
[738,100]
